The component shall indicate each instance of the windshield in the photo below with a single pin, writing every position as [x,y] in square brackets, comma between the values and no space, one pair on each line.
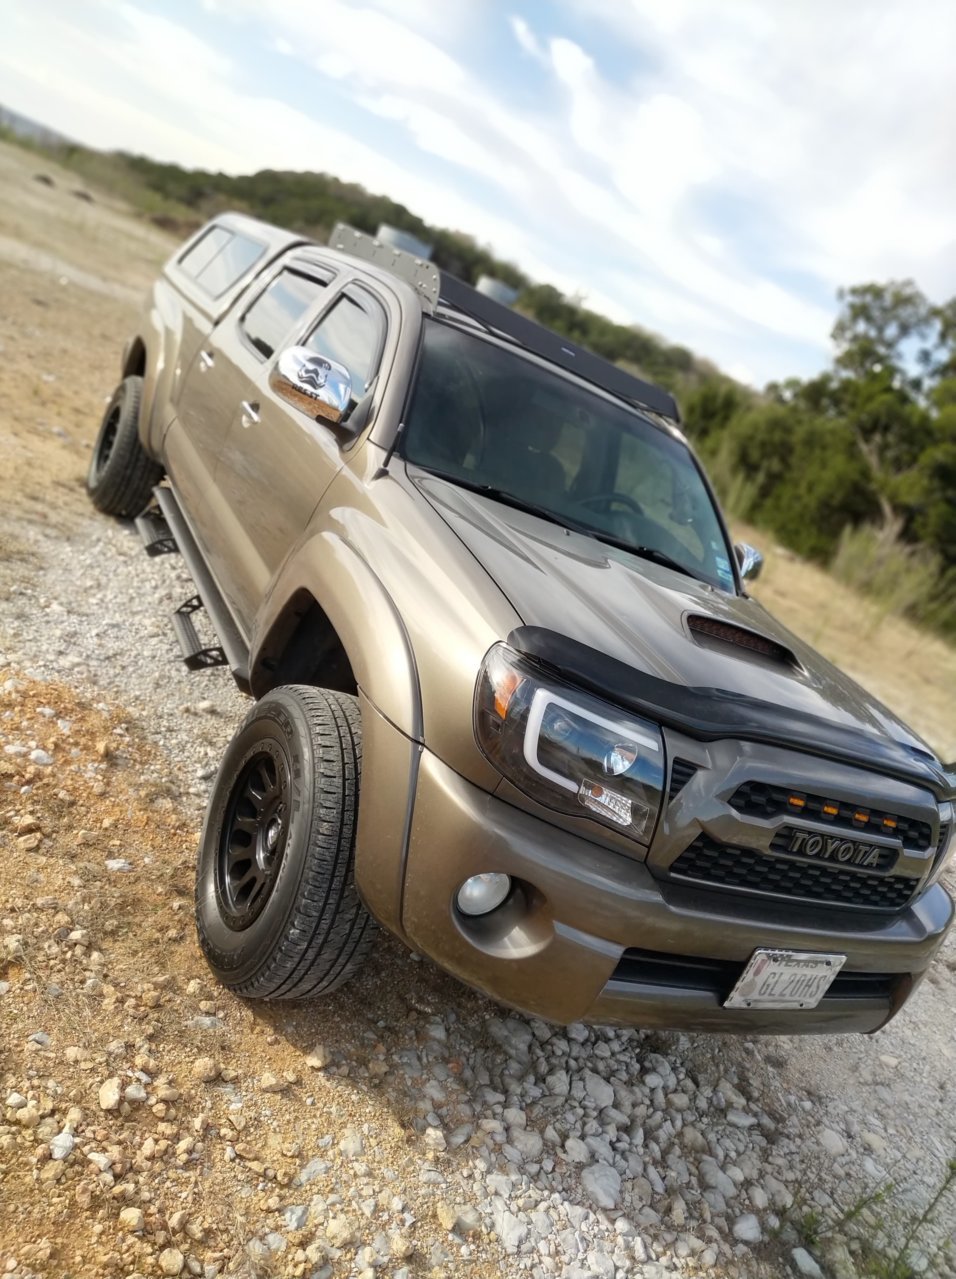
[490,419]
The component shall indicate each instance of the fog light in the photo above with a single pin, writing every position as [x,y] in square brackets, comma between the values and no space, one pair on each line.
[482,893]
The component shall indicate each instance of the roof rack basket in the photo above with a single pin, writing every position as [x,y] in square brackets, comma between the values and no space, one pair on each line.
[439,289]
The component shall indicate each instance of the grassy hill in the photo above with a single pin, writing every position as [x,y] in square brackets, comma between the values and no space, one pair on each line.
[181,199]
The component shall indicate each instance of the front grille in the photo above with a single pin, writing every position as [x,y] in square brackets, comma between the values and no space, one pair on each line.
[722,866]
[940,844]
[719,976]
[760,799]
[681,773]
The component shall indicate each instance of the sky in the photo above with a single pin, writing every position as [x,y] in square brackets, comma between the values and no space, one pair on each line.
[711,170]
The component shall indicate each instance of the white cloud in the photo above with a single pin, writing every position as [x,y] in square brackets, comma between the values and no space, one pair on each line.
[526,38]
[442,135]
[601,189]
[829,127]
[836,121]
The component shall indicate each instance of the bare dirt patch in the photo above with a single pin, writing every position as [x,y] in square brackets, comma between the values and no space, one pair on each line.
[130,1082]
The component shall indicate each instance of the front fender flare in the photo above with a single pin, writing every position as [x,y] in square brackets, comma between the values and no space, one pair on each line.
[363,615]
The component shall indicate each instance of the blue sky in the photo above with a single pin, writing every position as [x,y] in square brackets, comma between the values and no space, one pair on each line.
[712,170]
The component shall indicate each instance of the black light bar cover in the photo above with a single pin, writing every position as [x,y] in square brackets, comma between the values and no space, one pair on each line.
[556,349]
[713,713]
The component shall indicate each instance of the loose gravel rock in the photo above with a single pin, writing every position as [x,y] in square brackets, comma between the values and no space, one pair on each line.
[580,1151]
[205,1069]
[109,1094]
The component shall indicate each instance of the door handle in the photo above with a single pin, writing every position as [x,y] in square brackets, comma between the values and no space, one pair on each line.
[206,360]
[250,413]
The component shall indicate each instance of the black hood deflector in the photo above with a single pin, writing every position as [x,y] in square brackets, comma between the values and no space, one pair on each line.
[713,713]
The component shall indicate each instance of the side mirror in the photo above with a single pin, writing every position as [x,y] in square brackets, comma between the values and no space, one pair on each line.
[749,561]
[320,387]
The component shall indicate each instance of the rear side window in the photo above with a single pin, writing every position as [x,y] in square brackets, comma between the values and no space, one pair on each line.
[232,261]
[352,335]
[278,309]
[219,258]
[203,251]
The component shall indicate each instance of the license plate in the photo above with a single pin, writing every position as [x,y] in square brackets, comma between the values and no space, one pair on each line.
[784,979]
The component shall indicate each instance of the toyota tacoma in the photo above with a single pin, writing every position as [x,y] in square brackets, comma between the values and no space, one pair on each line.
[513,701]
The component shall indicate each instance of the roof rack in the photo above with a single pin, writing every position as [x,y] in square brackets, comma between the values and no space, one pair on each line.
[556,349]
[422,275]
[439,289]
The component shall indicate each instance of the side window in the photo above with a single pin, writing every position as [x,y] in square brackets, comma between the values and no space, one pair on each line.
[278,309]
[233,260]
[352,334]
[203,251]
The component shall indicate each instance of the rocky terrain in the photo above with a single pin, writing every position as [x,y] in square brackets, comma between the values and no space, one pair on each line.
[151,1124]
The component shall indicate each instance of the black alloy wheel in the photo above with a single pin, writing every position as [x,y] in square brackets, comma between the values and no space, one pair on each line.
[253,838]
[105,443]
[277,910]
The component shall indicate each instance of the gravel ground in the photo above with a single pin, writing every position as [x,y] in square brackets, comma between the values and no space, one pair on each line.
[575,1151]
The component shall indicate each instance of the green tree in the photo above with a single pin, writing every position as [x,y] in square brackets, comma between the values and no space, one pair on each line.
[875,324]
[711,407]
[797,474]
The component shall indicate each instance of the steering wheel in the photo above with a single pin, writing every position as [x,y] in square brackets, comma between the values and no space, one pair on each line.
[606,499]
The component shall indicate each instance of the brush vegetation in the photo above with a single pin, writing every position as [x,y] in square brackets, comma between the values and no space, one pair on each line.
[891,1231]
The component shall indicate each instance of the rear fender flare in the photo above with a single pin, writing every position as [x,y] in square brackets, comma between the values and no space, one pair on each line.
[161,335]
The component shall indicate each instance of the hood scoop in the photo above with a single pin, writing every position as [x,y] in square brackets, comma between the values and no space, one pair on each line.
[713,633]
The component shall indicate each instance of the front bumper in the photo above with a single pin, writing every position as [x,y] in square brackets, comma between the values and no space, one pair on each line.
[590,935]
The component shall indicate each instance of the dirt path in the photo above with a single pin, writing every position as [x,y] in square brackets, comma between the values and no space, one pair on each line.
[152,1124]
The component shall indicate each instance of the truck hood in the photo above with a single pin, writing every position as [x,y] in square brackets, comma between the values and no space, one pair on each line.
[619,623]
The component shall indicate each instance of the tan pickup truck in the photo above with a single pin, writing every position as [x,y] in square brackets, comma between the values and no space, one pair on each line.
[513,700]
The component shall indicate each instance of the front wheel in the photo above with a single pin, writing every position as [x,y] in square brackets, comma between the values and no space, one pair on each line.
[277,910]
[122,476]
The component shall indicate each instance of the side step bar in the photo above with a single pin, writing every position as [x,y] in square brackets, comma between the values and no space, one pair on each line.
[155,533]
[196,655]
[232,649]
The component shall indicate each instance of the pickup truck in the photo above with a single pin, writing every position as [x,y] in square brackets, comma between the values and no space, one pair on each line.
[513,700]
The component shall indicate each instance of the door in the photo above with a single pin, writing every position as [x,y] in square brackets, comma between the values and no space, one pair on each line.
[277,462]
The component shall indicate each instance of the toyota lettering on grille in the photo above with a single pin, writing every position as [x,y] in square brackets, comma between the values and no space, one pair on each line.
[834,848]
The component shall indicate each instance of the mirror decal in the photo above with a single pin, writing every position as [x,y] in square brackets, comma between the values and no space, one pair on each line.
[314,373]
[318,386]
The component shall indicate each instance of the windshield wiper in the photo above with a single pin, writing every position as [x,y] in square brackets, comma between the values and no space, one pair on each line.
[644,552]
[661,557]
[563,521]
[510,499]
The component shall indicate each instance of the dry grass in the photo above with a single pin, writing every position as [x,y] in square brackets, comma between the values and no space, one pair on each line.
[912,671]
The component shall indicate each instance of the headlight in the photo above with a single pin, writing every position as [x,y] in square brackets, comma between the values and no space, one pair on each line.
[947,843]
[566,749]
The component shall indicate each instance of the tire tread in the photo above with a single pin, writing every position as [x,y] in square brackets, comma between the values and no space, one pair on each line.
[330,933]
[125,484]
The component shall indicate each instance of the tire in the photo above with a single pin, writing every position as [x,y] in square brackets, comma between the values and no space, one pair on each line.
[122,477]
[284,920]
